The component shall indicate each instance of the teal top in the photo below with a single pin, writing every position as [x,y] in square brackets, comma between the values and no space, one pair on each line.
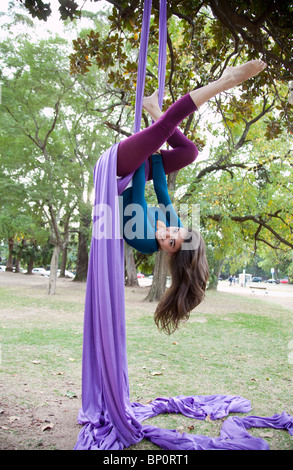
[139,219]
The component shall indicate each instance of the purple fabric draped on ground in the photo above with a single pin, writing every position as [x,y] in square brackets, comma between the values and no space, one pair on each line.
[110,421]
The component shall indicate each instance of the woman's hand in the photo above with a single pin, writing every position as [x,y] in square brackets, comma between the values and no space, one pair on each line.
[160,225]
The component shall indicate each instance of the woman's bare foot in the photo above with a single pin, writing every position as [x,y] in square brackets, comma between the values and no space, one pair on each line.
[231,77]
[151,102]
[236,75]
[151,105]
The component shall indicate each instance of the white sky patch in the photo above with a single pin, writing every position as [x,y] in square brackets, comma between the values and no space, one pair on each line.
[54,24]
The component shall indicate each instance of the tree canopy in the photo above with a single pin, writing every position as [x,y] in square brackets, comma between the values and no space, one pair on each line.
[243,182]
[265,26]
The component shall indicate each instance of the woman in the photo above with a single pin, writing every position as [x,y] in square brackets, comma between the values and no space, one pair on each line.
[155,229]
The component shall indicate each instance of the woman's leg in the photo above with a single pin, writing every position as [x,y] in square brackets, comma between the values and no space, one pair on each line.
[134,150]
[182,154]
[183,151]
[231,77]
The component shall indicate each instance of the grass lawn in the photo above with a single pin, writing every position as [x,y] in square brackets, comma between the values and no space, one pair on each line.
[231,345]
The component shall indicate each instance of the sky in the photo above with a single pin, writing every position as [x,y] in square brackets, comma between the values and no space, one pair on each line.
[54,24]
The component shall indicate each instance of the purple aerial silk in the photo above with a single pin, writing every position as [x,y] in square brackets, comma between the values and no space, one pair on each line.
[110,421]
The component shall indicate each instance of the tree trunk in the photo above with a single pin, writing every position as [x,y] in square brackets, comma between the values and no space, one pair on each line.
[130,268]
[215,271]
[161,266]
[30,265]
[218,273]
[82,258]
[53,270]
[17,266]
[9,264]
[63,262]
[159,280]
[83,239]
[65,243]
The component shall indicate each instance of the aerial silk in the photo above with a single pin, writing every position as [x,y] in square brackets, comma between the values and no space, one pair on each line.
[110,421]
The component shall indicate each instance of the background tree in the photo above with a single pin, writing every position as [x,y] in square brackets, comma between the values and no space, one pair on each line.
[49,137]
[204,38]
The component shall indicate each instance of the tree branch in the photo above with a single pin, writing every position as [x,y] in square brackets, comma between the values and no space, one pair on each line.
[218,167]
[258,220]
[55,227]
[248,124]
[117,128]
[57,107]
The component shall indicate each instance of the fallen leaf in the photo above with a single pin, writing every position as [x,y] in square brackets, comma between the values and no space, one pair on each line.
[156,373]
[208,419]
[70,394]
[36,362]
[71,359]
[13,418]
[267,434]
[47,426]
[205,358]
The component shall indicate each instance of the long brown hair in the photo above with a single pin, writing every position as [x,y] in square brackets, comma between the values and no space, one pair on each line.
[189,272]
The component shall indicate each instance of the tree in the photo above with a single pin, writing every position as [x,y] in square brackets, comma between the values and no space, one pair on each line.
[204,38]
[265,27]
[48,135]
[23,230]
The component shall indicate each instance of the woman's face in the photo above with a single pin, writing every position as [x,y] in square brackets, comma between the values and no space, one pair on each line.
[170,239]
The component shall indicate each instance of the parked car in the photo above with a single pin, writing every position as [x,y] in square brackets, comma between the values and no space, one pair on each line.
[67,274]
[284,281]
[273,281]
[2,268]
[40,271]
[256,279]
[140,275]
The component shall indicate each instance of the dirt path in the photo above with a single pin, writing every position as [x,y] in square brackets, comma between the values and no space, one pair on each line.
[278,294]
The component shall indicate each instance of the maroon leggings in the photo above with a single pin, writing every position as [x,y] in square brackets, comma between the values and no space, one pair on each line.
[136,149]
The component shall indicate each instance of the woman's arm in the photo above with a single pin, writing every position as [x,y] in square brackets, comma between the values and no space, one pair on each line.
[138,231]
[160,224]
[161,189]
[138,199]
[159,180]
